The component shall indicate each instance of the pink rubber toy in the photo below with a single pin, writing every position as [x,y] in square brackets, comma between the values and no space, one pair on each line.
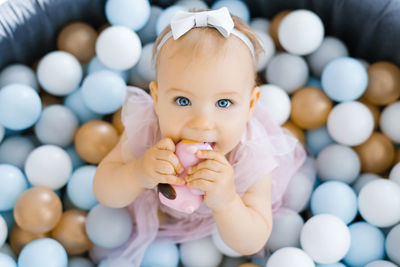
[187,200]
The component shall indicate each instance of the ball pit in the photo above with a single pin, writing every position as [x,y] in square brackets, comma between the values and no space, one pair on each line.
[52,125]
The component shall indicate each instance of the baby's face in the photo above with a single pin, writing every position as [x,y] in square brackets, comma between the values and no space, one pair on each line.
[205,98]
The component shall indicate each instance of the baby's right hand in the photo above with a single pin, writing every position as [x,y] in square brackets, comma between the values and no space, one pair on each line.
[160,165]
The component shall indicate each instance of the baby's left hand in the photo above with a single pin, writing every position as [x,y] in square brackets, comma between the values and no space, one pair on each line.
[215,177]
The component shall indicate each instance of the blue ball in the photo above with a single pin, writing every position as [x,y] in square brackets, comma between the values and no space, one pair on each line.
[80,187]
[20,106]
[165,17]
[367,244]
[132,14]
[12,184]
[103,92]
[235,7]
[7,261]
[96,65]
[344,79]
[336,198]
[43,252]
[318,139]
[74,101]
[161,254]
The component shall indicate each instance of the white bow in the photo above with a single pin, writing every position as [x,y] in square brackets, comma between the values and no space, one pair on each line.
[220,19]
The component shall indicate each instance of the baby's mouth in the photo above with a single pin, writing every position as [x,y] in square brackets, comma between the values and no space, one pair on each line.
[212,144]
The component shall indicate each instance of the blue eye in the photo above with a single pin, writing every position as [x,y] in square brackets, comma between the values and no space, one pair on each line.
[224,103]
[182,101]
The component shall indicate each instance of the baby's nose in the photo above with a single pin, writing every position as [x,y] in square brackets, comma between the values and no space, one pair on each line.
[201,122]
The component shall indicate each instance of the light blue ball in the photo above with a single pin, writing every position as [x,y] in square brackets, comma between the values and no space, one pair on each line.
[96,65]
[104,92]
[43,252]
[313,82]
[235,7]
[74,102]
[79,262]
[165,17]
[20,106]
[367,244]
[344,79]
[7,261]
[148,33]
[338,264]
[336,198]
[80,187]
[77,161]
[12,184]
[15,149]
[318,139]
[132,14]
[161,254]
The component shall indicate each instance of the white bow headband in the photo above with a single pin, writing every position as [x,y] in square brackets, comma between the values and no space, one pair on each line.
[220,19]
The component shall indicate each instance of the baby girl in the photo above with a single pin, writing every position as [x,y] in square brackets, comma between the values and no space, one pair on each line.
[205,91]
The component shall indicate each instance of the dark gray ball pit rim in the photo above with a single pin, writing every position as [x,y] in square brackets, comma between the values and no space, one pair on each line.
[370,28]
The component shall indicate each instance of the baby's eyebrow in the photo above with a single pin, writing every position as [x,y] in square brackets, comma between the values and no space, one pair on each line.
[185,91]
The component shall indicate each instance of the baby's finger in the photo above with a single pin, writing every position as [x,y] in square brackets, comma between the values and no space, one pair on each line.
[164,167]
[202,174]
[171,179]
[166,144]
[211,154]
[201,184]
[170,157]
[207,164]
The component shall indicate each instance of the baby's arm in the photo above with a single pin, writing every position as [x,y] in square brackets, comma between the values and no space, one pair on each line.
[246,224]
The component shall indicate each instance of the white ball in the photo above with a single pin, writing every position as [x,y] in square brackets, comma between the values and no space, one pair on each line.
[3,231]
[268,49]
[395,173]
[48,165]
[222,247]
[389,121]
[199,253]
[379,203]
[380,263]
[286,231]
[18,73]
[338,162]
[289,257]
[59,73]
[301,32]
[392,244]
[364,179]
[350,123]
[326,238]
[118,47]
[144,67]
[276,101]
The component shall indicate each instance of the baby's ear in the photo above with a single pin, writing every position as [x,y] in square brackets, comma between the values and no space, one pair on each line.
[254,96]
[154,91]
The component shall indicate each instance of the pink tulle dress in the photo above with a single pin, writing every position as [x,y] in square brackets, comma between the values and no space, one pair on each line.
[264,147]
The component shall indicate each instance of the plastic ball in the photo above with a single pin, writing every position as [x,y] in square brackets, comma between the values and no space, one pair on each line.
[330,49]
[380,264]
[289,257]
[3,231]
[161,254]
[48,165]
[57,126]
[148,32]
[295,130]
[111,262]
[276,101]
[268,49]
[235,7]
[338,162]
[144,67]
[201,252]
[301,32]
[8,216]
[389,121]
[76,104]
[132,14]
[223,247]
[18,73]
[362,180]
[7,261]
[100,218]
[326,238]
[392,244]
[80,187]
[344,79]
[44,252]
[19,238]
[20,106]
[2,132]
[59,73]
[318,139]
[195,4]
[79,262]
[379,203]
[367,244]
[260,24]
[350,123]
[286,230]
[12,184]
[289,72]
[336,198]
[15,149]
[118,47]
[165,17]
[103,92]
[274,27]
[394,174]
[96,65]
[338,264]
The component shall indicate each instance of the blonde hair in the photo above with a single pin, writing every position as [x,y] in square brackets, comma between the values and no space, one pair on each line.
[239,25]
